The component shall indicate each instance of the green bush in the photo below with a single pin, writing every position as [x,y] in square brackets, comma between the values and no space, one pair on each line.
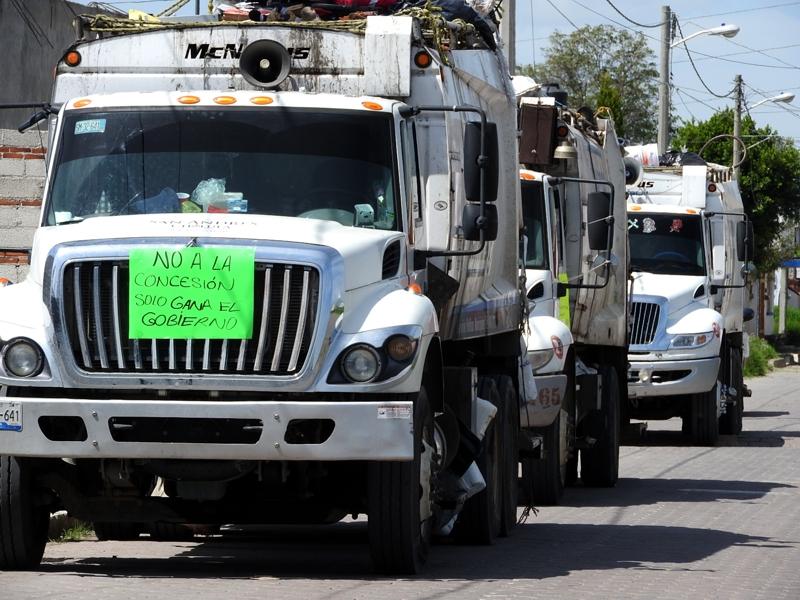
[792,323]
[757,364]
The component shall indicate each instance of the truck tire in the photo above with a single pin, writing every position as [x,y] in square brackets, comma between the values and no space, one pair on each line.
[600,463]
[509,466]
[23,524]
[704,420]
[117,532]
[399,532]
[731,422]
[480,520]
[546,477]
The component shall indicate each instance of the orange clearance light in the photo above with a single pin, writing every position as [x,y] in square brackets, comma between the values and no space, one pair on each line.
[261,100]
[415,288]
[634,207]
[372,105]
[527,176]
[225,100]
[712,187]
[422,59]
[691,211]
[562,131]
[189,99]
[72,58]
[81,103]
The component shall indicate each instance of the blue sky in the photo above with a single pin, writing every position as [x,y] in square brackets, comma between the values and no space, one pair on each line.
[766,52]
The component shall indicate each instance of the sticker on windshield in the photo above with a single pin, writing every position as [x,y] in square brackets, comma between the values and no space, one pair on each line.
[90,126]
[648,225]
[633,224]
[677,225]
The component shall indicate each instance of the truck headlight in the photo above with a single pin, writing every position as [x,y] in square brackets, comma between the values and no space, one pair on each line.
[692,340]
[539,358]
[23,358]
[361,364]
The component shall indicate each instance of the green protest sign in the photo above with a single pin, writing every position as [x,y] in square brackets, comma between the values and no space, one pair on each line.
[191,293]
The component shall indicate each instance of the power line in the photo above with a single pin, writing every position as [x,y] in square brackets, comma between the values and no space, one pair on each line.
[627,18]
[744,10]
[750,51]
[558,10]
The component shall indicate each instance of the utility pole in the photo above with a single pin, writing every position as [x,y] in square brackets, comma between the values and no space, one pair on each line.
[508,33]
[663,84]
[737,126]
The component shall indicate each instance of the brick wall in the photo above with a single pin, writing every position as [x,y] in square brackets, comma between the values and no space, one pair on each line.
[22,174]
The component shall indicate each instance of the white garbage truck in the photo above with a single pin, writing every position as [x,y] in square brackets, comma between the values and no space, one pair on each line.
[690,242]
[573,247]
[275,281]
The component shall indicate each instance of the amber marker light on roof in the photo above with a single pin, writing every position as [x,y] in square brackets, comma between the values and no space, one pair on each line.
[372,105]
[562,131]
[261,100]
[422,59]
[189,99]
[72,58]
[225,100]
[527,176]
[635,207]
[81,103]
[691,211]
[712,187]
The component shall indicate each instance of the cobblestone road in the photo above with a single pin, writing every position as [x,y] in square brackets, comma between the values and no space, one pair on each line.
[683,522]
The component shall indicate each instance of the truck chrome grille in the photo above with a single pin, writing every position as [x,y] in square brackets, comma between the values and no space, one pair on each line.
[644,322]
[95,304]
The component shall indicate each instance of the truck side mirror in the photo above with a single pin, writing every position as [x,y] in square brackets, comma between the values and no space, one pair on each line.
[599,213]
[472,222]
[472,170]
[744,241]
[748,314]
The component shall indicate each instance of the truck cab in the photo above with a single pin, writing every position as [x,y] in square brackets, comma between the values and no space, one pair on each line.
[687,278]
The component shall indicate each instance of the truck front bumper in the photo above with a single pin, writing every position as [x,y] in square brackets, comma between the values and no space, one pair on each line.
[369,430]
[671,378]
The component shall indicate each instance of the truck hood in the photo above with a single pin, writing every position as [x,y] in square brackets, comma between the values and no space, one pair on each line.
[362,249]
[678,290]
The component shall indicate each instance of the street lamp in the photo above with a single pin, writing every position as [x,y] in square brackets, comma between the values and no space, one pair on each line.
[728,31]
[782,97]
[724,30]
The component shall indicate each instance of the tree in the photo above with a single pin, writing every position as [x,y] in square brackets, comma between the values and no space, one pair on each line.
[769,179]
[592,63]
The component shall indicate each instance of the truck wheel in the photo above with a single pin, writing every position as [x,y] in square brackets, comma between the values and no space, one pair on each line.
[399,502]
[546,477]
[23,523]
[509,466]
[705,423]
[480,520]
[600,463]
[731,422]
[117,532]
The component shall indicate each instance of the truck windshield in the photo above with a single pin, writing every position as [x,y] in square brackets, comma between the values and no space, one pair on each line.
[666,243]
[533,241]
[335,165]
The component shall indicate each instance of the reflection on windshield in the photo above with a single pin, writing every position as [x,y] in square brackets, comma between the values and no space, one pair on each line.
[533,242]
[335,166]
[666,244]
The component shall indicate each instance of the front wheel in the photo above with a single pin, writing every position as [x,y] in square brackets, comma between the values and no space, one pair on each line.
[731,422]
[23,522]
[399,502]
[546,477]
[704,419]
[600,463]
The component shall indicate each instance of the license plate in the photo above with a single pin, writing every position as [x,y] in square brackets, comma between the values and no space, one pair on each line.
[10,416]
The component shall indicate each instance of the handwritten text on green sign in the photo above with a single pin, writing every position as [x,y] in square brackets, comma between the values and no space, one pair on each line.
[191,293]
